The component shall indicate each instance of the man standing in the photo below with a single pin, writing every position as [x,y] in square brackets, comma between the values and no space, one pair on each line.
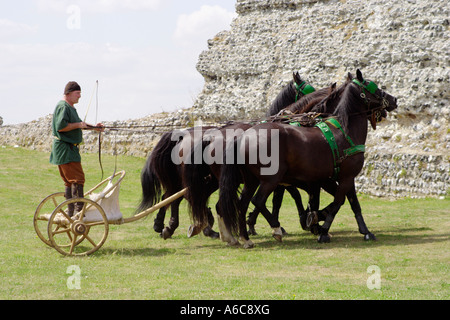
[66,128]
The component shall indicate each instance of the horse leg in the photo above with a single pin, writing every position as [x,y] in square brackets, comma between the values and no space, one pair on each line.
[208,231]
[277,199]
[313,216]
[158,223]
[332,209]
[246,196]
[276,205]
[259,200]
[251,221]
[295,194]
[356,208]
[225,234]
[174,219]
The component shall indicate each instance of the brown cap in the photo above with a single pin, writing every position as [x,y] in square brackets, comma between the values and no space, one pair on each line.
[71,86]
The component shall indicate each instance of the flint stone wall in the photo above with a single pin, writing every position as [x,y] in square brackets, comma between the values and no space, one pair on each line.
[402,46]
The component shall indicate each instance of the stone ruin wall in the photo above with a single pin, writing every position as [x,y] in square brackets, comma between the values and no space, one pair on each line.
[403,46]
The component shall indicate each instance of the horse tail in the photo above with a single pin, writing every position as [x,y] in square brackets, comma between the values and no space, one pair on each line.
[201,183]
[229,182]
[159,171]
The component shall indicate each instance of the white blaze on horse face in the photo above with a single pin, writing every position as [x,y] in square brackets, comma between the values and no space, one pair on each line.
[254,146]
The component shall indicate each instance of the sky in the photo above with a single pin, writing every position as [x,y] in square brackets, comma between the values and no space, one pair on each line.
[143,53]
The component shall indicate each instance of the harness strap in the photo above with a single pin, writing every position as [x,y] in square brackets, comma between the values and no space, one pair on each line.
[303,88]
[328,134]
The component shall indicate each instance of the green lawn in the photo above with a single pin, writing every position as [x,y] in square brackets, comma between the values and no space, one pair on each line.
[411,253]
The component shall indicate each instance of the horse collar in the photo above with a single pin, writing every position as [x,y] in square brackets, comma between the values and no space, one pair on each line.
[328,134]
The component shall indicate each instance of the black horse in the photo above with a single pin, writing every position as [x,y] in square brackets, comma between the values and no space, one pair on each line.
[161,173]
[304,157]
[202,177]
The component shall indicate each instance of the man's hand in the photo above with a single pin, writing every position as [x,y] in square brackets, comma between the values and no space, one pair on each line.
[100,127]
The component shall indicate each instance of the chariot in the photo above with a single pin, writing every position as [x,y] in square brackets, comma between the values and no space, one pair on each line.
[86,231]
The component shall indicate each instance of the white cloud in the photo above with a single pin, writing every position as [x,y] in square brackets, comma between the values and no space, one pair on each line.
[98,6]
[11,29]
[133,83]
[194,29]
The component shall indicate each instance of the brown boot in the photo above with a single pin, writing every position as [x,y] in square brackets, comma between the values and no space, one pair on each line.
[68,195]
[77,192]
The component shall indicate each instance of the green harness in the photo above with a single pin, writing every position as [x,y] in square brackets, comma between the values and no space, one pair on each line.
[337,159]
[328,134]
[304,89]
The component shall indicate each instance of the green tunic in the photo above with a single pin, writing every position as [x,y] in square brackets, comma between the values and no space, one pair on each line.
[65,144]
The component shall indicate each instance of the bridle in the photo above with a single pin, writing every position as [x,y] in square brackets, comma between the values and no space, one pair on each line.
[376,113]
[303,88]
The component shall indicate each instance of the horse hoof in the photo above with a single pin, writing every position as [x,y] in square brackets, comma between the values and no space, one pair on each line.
[324,238]
[277,237]
[193,231]
[208,232]
[277,234]
[315,229]
[252,231]
[370,236]
[233,243]
[166,233]
[158,227]
[248,244]
[283,232]
[303,223]
[312,219]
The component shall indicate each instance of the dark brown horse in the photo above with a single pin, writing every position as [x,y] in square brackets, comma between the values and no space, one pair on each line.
[202,177]
[161,176]
[303,157]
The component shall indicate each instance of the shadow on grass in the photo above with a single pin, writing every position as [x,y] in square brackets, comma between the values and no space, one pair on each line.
[299,240]
[350,238]
[145,252]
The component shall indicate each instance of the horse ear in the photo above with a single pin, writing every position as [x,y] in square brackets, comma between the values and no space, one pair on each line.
[296,77]
[333,86]
[359,75]
[349,77]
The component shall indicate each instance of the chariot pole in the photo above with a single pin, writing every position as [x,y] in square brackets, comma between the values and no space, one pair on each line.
[157,206]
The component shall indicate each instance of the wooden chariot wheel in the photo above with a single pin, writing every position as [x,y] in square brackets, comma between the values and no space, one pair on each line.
[52,201]
[40,220]
[74,236]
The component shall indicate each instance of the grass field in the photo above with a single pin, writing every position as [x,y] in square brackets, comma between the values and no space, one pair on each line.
[411,256]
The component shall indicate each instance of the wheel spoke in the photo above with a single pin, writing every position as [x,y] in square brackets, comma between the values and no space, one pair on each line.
[57,231]
[90,240]
[72,246]
[95,223]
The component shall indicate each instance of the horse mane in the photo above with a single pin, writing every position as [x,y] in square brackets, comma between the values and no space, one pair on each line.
[283,98]
[348,103]
[308,102]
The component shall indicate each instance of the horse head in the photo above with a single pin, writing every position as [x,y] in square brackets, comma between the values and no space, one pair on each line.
[301,87]
[291,93]
[377,100]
